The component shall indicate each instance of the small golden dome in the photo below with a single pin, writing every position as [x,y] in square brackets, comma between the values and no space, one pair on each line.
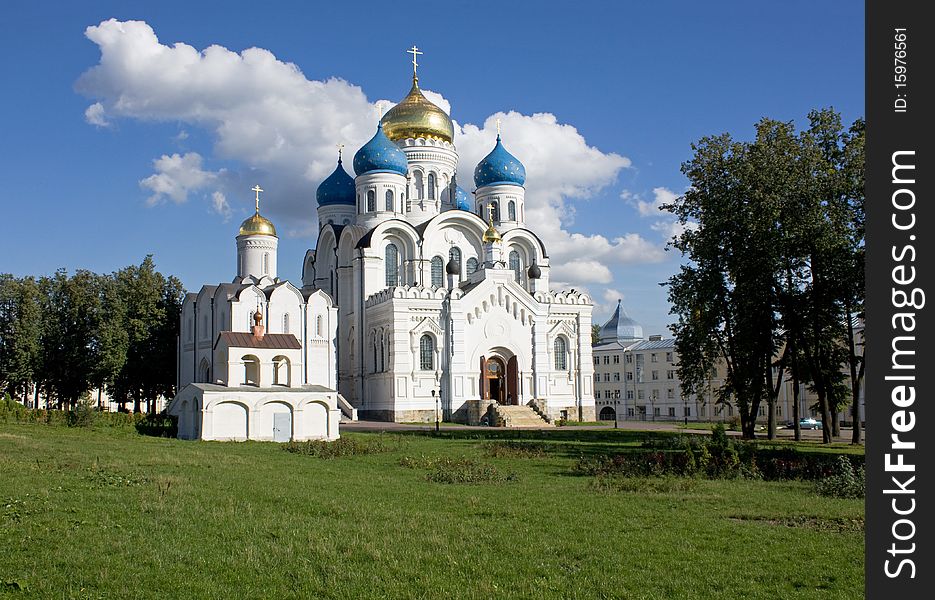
[416,117]
[491,235]
[257,225]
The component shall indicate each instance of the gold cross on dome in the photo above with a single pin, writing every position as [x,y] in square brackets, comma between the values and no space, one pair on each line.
[490,212]
[340,148]
[257,189]
[415,52]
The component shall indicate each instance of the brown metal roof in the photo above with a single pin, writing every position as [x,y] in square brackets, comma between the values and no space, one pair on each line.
[273,341]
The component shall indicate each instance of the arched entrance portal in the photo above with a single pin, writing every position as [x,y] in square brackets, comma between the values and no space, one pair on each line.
[499,379]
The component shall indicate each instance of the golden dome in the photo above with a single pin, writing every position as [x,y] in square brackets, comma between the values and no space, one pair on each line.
[491,235]
[257,225]
[416,117]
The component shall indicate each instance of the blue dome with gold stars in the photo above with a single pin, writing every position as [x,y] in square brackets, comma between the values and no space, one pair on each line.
[337,188]
[499,167]
[462,199]
[380,154]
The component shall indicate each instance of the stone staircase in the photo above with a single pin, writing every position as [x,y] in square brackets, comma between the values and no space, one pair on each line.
[518,416]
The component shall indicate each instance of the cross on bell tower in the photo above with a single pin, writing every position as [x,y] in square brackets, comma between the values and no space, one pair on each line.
[257,189]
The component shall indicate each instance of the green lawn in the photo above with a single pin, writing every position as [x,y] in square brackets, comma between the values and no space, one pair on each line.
[111,514]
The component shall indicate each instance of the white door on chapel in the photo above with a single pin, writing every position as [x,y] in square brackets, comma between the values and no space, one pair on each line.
[282,426]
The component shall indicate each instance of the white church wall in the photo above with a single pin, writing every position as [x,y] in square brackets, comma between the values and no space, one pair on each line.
[312,421]
[229,421]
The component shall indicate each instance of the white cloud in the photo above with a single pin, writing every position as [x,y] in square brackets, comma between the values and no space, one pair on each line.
[220,206]
[671,228]
[176,176]
[661,196]
[611,296]
[438,100]
[282,127]
[560,167]
[94,115]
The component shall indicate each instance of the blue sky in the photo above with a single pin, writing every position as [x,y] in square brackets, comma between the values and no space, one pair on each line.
[112,150]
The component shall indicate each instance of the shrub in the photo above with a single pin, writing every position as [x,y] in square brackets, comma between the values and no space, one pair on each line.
[847,480]
[83,415]
[435,462]
[513,449]
[345,446]
[158,425]
[470,474]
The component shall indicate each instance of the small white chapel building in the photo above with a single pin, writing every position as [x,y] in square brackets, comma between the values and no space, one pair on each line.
[241,380]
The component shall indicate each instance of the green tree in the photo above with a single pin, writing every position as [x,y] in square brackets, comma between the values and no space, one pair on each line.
[832,277]
[152,305]
[724,297]
[113,338]
[70,346]
[20,326]
[774,274]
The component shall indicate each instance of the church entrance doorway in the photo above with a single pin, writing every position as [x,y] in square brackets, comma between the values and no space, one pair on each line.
[499,379]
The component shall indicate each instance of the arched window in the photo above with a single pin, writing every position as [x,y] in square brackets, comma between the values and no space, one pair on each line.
[455,254]
[281,371]
[511,210]
[438,272]
[417,182]
[285,323]
[251,366]
[389,200]
[426,353]
[471,266]
[382,353]
[374,353]
[495,210]
[318,326]
[560,360]
[431,186]
[392,265]
[266,263]
[371,201]
[204,371]
[514,264]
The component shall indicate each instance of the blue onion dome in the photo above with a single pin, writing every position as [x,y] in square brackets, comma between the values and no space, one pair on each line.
[462,199]
[380,154]
[337,188]
[499,167]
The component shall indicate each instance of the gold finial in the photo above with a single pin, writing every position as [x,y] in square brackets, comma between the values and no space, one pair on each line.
[415,52]
[498,126]
[257,189]
[491,235]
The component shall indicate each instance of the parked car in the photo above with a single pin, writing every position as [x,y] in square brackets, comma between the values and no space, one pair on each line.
[809,423]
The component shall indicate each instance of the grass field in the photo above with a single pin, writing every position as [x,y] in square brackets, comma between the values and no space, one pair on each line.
[90,513]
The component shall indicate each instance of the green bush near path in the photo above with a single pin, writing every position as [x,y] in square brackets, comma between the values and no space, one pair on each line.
[105,512]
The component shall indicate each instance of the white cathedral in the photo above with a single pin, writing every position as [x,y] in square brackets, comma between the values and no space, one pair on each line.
[418,303]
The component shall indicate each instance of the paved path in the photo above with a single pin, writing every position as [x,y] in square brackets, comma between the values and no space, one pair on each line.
[782,434]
